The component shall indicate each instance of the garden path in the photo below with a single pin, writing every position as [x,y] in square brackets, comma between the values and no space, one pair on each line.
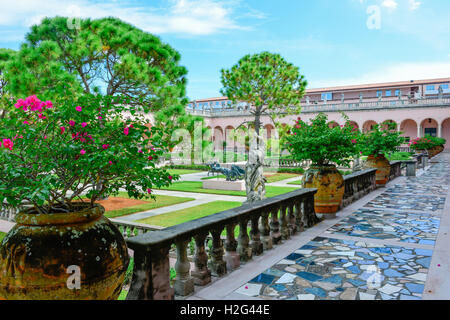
[391,244]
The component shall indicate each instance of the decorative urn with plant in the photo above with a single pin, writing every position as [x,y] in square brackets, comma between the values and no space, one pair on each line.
[326,147]
[375,144]
[422,145]
[56,160]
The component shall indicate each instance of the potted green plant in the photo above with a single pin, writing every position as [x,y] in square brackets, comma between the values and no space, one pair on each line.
[52,157]
[422,145]
[326,147]
[375,143]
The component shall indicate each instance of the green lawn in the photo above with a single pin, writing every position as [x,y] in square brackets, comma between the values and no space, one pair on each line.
[189,214]
[270,178]
[2,235]
[161,201]
[296,183]
[196,186]
[182,171]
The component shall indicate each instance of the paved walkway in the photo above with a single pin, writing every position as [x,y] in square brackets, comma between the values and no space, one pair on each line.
[391,244]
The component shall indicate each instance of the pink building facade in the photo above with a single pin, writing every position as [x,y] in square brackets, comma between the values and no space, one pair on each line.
[418,107]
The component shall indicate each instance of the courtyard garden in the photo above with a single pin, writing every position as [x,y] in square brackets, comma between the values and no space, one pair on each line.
[79,160]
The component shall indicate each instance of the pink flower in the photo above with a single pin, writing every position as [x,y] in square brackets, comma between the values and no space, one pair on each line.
[48,104]
[100,118]
[82,151]
[150,158]
[72,123]
[78,109]
[26,122]
[20,103]
[110,163]
[140,151]
[8,144]
[149,191]
[126,131]
[105,146]
[170,177]
[84,124]
[41,116]
[353,141]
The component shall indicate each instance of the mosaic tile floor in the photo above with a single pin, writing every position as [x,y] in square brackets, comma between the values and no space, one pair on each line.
[332,269]
[393,225]
[407,202]
[419,188]
[356,269]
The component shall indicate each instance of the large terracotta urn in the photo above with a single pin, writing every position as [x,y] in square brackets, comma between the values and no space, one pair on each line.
[383,166]
[330,188]
[63,256]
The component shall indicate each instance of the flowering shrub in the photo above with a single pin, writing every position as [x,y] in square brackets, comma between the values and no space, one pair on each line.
[426,143]
[53,154]
[381,140]
[321,144]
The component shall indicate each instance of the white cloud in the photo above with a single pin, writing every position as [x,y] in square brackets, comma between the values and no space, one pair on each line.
[390,4]
[393,73]
[414,5]
[185,17]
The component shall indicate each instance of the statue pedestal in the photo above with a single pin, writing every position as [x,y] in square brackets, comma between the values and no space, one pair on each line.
[222,184]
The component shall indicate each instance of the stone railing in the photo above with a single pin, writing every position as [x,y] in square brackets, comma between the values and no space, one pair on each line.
[132,229]
[286,163]
[261,224]
[357,185]
[335,106]
[396,169]
[7,212]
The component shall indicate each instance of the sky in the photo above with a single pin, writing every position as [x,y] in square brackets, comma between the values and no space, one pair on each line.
[333,42]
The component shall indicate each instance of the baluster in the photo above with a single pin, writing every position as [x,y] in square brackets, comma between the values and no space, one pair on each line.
[275,227]
[184,283]
[201,274]
[243,248]
[298,215]
[291,220]
[151,275]
[284,224]
[231,256]
[264,229]
[255,243]
[217,265]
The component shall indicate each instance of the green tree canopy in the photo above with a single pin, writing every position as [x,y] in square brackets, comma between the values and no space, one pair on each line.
[271,85]
[106,56]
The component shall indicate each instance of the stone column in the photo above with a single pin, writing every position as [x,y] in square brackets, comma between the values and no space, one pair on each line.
[231,256]
[217,266]
[255,238]
[151,275]
[411,166]
[284,224]
[243,248]
[275,227]
[298,216]
[201,274]
[264,228]
[184,283]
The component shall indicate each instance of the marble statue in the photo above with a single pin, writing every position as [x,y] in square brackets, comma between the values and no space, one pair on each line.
[254,171]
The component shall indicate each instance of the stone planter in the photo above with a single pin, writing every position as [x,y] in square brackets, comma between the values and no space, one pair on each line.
[383,167]
[63,256]
[330,188]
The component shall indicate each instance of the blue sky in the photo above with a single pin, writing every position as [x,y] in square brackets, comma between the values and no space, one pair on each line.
[334,42]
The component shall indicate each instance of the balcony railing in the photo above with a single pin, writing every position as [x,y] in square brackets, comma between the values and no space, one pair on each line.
[337,106]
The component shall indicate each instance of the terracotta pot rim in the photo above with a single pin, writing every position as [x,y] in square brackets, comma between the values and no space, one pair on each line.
[30,218]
